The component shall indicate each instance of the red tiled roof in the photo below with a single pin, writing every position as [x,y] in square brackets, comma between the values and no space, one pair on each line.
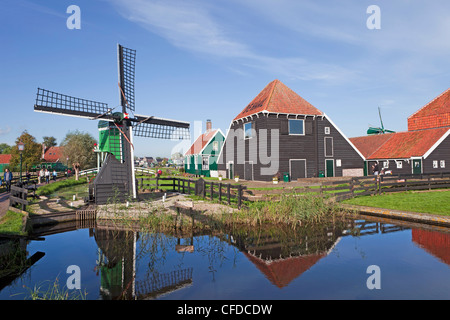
[369,144]
[282,272]
[433,242]
[400,145]
[433,115]
[276,97]
[201,142]
[52,154]
[5,158]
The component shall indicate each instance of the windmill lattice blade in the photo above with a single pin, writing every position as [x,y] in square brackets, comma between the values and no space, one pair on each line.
[127,60]
[49,101]
[162,131]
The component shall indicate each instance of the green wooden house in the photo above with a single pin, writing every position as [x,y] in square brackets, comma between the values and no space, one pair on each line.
[201,158]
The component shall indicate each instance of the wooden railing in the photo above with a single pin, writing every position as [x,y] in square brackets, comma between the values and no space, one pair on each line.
[223,192]
[357,186]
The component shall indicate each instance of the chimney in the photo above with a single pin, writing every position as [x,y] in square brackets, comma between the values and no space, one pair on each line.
[208,125]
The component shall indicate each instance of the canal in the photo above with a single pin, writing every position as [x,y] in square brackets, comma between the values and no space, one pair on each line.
[363,258]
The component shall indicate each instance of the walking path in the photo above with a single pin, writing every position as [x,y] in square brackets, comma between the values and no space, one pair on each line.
[4,203]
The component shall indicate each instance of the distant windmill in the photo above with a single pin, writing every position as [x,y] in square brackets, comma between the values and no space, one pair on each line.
[116,178]
[380,130]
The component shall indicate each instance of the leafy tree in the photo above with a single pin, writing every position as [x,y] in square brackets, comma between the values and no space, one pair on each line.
[31,154]
[5,148]
[50,142]
[78,147]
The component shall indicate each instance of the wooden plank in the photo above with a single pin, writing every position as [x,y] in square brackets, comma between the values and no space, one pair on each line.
[14,200]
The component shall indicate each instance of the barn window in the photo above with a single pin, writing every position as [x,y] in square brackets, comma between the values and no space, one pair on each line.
[435,164]
[297,127]
[327,130]
[247,130]
[399,164]
[328,147]
[442,163]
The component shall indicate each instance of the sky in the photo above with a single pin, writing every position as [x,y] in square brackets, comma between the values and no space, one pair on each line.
[204,59]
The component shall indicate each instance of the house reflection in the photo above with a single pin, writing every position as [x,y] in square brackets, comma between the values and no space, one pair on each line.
[284,255]
[435,243]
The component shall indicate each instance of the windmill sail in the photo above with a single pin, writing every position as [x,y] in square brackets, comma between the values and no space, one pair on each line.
[379,130]
[52,102]
[126,63]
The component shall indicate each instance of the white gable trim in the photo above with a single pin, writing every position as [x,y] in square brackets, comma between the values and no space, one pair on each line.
[345,137]
[444,136]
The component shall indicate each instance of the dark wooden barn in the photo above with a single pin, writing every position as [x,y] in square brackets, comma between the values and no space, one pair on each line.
[280,133]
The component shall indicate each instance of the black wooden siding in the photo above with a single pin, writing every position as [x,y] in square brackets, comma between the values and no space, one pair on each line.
[309,146]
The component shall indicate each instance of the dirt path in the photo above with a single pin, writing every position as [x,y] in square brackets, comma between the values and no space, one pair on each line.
[4,203]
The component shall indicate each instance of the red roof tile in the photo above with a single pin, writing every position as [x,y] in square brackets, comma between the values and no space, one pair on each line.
[52,154]
[369,144]
[200,143]
[276,97]
[400,145]
[433,115]
[5,158]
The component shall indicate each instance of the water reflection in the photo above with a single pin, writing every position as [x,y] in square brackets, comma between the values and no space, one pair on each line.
[135,264]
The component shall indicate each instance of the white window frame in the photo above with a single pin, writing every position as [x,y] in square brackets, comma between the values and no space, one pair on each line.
[325,147]
[245,130]
[386,164]
[435,164]
[399,164]
[442,164]
[327,130]
[203,164]
[215,146]
[303,127]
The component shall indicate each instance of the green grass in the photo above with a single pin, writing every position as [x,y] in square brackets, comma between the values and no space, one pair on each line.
[51,188]
[11,223]
[436,202]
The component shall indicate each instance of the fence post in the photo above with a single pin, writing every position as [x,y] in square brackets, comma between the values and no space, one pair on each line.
[173,183]
[352,187]
[157,185]
[229,193]
[204,189]
[239,196]
[220,191]
[212,190]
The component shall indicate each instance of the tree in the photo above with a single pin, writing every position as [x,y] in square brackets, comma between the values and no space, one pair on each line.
[50,142]
[78,147]
[31,154]
[5,148]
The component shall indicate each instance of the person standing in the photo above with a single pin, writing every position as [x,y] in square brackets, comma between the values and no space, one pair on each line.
[54,175]
[8,178]
[41,175]
[47,176]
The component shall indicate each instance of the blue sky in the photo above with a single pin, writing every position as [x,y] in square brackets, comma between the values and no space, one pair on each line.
[201,59]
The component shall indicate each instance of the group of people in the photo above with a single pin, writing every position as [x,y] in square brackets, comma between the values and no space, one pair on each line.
[45,174]
[377,173]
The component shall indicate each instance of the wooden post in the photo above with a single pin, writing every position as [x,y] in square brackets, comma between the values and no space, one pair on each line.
[189,186]
[352,187]
[204,189]
[239,196]
[229,192]
[183,186]
[212,190]
[173,183]
[220,191]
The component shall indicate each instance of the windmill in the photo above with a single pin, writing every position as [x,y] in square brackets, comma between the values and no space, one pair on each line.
[116,177]
[380,130]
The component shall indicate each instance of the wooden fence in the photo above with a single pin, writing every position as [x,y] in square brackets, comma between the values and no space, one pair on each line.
[357,186]
[223,192]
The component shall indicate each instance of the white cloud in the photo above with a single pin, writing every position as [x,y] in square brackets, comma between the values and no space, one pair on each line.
[197,28]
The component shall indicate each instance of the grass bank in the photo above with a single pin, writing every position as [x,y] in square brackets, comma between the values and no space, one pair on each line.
[51,188]
[12,223]
[434,202]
